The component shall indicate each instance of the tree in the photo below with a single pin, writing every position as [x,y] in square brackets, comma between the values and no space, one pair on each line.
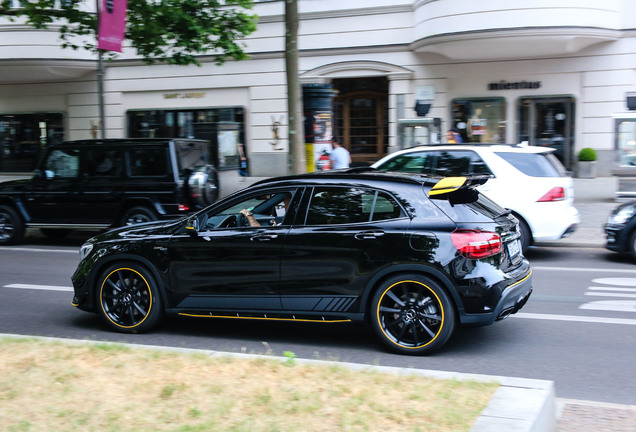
[294,97]
[173,31]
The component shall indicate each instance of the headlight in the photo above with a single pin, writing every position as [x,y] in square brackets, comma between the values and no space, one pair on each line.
[85,250]
[622,216]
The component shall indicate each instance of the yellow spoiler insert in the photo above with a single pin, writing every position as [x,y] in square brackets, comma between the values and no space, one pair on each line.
[446,185]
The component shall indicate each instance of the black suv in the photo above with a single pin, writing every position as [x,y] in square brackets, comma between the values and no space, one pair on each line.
[99,184]
[412,255]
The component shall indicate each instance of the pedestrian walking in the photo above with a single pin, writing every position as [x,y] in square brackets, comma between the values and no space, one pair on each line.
[340,157]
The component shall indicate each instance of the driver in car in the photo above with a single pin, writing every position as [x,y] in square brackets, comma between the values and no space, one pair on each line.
[250,216]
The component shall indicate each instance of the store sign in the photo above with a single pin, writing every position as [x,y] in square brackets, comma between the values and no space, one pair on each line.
[519,85]
[191,95]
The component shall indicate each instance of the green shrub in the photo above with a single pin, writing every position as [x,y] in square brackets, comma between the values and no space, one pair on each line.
[587,154]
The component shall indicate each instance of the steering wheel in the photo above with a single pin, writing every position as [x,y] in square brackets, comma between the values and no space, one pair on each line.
[241,220]
[229,221]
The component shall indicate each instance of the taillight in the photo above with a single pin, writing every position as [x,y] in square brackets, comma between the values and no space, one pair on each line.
[475,244]
[554,194]
[183,207]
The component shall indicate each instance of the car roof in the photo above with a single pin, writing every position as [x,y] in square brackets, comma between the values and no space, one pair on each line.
[353,174]
[491,147]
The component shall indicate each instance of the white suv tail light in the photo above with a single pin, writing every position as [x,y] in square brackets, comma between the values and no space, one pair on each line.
[554,194]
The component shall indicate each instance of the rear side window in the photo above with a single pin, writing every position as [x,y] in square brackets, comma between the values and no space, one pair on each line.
[415,162]
[460,163]
[148,162]
[535,164]
[343,205]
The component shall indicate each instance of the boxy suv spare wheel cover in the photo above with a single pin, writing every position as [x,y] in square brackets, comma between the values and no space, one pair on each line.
[203,185]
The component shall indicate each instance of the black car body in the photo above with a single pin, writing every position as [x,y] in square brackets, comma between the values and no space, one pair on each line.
[620,229]
[98,184]
[410,254]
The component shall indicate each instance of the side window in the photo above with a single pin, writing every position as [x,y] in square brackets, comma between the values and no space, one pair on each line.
[104,163]
[342,205]
[453,163]
[148,162]
[267,208]
[460,163]
[386,208]
[416,162]
[62,164]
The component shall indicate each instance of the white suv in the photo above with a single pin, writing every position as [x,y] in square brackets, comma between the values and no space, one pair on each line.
[528,180]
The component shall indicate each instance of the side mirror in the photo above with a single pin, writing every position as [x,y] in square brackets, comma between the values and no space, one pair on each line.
[192,226]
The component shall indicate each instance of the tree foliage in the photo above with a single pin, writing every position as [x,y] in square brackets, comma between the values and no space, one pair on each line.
[172,31]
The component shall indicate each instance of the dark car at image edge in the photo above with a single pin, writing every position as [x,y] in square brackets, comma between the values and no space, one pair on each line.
[412,256]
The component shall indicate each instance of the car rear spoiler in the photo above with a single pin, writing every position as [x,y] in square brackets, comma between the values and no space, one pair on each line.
[452,184]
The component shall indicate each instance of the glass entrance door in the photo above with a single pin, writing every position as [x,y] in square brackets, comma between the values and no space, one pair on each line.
[549,122]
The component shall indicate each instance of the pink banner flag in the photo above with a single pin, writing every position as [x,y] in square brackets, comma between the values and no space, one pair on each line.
[112,24]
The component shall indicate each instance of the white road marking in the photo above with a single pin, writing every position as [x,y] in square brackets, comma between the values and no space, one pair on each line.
[39,287]
[579,269]
[613,289]
[23,249]
[611,305]
[616,281]
[575,318]
[606,294]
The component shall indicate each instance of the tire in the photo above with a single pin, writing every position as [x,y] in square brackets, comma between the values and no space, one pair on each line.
[11,226]
[412,314]
[136,215]
[129,300]
[632,245]
[526,235]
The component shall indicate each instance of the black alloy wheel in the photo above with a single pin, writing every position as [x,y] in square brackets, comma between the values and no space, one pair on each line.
[526,235]
[137,215]
[129,299]
[412,314]
[11,226]
[632,244]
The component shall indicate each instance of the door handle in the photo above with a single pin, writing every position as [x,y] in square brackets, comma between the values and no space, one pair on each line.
[263,237]
[368,235]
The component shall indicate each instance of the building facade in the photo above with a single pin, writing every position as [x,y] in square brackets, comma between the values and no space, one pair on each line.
[554,73]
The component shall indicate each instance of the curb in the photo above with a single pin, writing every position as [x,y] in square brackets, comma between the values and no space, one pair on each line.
[519,405]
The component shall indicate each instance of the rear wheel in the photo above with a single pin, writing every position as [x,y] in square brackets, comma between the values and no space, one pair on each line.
[412,314]
[137,215]
[129,299]
[11,226]
[526,236]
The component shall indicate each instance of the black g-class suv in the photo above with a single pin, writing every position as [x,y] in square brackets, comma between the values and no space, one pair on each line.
[98,184]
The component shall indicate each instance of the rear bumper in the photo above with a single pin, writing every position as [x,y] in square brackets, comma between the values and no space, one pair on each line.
[513,298]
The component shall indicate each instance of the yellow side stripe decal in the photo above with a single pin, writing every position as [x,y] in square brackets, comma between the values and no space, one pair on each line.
[264,318]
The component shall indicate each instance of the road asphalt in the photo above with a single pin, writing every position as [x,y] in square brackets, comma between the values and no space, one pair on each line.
[526,405]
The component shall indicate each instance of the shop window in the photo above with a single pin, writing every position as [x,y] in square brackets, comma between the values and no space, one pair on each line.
[626,141]
[224,128]
[480,120]
[23,136]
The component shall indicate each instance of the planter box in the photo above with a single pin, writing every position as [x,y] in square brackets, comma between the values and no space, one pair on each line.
[586,169]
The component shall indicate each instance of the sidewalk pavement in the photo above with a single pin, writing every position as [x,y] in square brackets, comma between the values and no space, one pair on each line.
[530,405]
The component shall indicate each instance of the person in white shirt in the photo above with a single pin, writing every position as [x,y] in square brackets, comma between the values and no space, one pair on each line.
[340,157]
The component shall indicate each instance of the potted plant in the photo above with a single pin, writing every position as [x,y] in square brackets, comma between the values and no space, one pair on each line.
[587,163]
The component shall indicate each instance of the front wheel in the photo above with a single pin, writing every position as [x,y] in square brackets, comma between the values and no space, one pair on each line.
[129,299]
[11,226]
[412,314]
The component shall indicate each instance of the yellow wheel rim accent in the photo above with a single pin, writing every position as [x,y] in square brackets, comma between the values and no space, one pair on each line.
[390,338]
[101,293]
